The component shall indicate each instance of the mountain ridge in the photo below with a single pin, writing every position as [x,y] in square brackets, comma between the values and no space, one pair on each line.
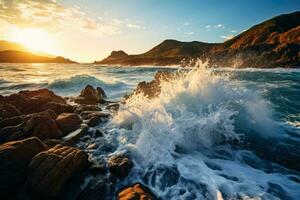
[11,52]
[11,56]
[272,43]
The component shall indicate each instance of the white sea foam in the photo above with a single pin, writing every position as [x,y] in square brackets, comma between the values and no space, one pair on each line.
[187,131]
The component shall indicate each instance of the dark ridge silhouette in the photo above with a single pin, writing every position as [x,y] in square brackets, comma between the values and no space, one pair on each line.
[10,56]
[273,43]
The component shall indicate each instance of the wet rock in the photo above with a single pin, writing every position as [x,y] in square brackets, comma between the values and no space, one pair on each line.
[33,101]
[82,107]
[41,125]
[7,110]
[97,188]
[59,108]
[53,142]
[14,159]
[86,115]
[68,122]
[120,165]
[152,89]
[136,192]
[89,95]
[92,146]
[12,121]
[97,168]
[95,120]
[113,107]
[98,133]
[74,136]
[50,172]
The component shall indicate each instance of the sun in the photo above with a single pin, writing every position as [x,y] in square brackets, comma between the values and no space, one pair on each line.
[34,39]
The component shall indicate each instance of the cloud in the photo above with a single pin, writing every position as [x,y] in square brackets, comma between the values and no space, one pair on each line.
[189,33]
[227,37]
[56,17]
[233,31]
[219,26]
[216,26]
[186,24]
[135,26]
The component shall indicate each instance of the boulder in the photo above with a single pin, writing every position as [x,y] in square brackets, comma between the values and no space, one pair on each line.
[89,95]
[68,122]
[53,142]
[74,136]
[94,121]
[8,110]
[41,125]
[136,192]
[51,172]
[113,107]
[59,108]
[82,107]
[86,115]
[152,89]
[14,159]
[96,189]
[33,101]
[120,165]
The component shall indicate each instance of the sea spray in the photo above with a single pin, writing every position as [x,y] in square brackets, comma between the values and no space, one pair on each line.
[187,143]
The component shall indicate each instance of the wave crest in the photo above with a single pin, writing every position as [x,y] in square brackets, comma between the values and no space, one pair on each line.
[75,84]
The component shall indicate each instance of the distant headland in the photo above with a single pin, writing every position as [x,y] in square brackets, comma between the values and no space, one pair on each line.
[273,43]
[11,52]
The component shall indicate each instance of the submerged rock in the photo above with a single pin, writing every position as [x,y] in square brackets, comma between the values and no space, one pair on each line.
[89,95]
[136,192]
[50,171]
[14,158]
[120,165]
[68,122]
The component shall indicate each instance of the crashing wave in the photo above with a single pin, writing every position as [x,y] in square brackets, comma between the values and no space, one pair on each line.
[192,141]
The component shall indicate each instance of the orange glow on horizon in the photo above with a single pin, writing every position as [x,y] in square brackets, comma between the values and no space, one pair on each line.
[35,39]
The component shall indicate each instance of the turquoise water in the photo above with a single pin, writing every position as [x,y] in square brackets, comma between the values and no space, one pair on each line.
[213,134]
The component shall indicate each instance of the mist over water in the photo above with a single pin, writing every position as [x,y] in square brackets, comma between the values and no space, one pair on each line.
[211,134]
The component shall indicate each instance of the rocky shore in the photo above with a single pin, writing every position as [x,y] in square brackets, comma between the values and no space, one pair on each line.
[40,154]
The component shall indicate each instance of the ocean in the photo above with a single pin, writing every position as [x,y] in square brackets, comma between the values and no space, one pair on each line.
[215,133]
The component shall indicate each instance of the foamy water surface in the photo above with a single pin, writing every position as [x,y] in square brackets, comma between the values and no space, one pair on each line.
[211,134]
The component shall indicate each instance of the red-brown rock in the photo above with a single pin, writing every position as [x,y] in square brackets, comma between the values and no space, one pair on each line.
[33,101]
[68,122]
[41,125]
[14,158]
[7,110]
[136,192]
[120,165]
[89,95]
[50,171]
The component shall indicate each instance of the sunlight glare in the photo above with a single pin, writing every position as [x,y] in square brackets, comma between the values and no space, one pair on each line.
[35,39]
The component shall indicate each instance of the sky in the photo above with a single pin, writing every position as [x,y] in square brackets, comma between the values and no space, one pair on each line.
[88,30]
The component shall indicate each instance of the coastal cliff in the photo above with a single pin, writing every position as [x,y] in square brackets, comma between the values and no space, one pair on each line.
[273,43]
